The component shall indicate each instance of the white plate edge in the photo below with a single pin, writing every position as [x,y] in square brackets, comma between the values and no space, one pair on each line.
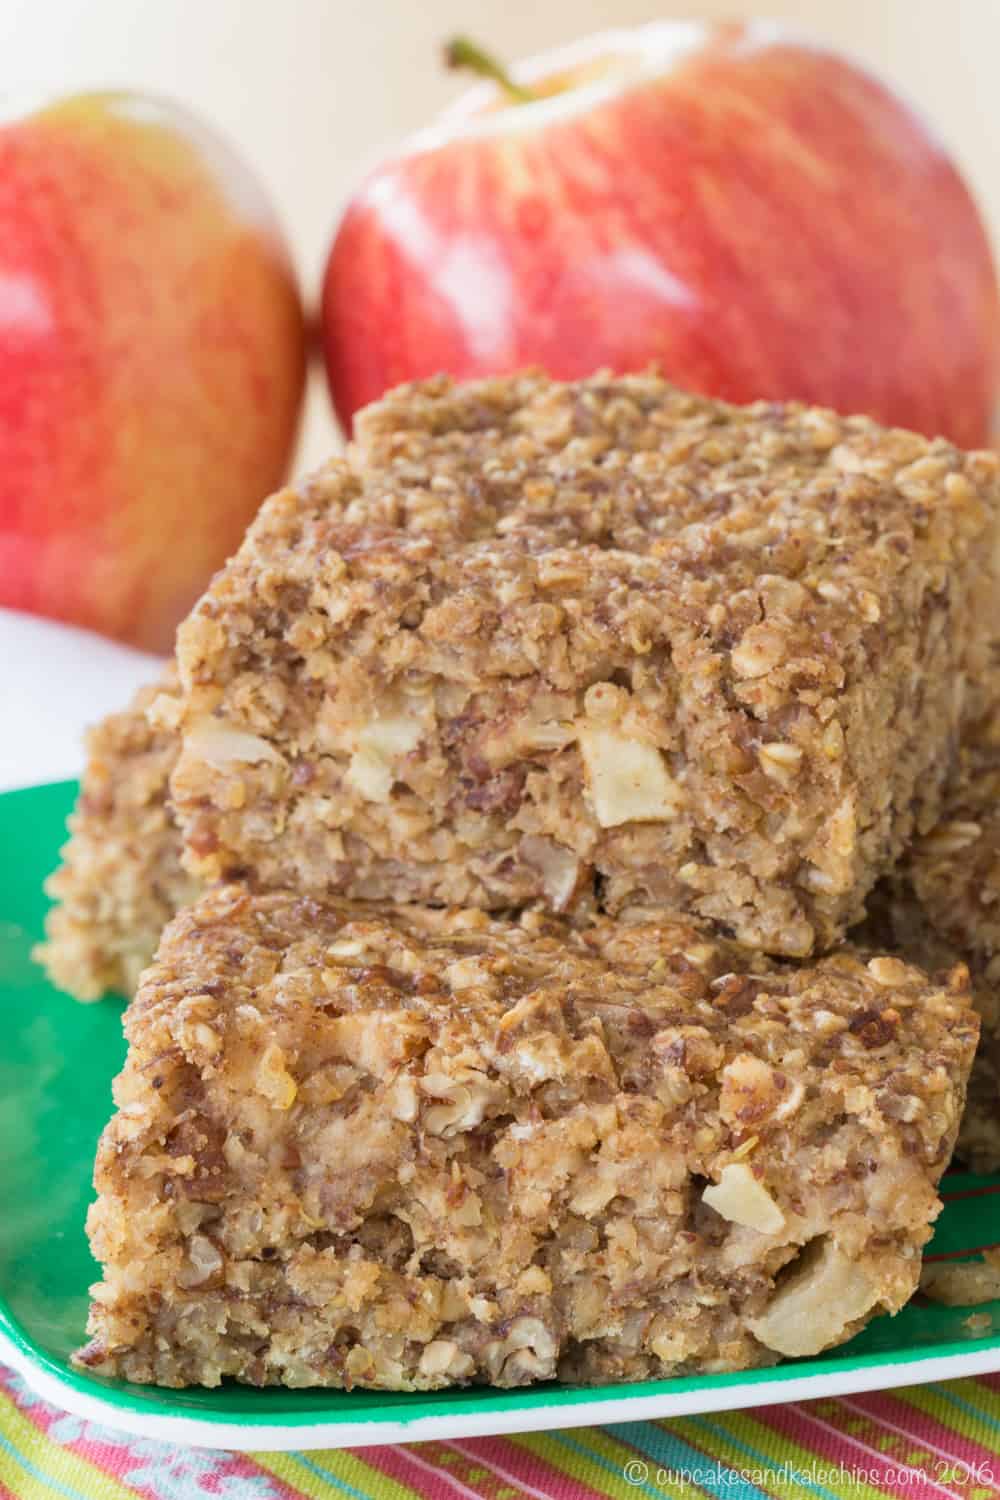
[198,1433]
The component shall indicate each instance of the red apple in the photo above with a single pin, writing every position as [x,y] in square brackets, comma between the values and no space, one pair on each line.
[151,361]
[758,215]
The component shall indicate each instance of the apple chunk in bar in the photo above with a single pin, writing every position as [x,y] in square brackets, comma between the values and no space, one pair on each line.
[539,641]
[403,1148]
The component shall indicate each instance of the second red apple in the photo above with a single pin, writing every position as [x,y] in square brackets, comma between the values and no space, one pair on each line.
[760,216]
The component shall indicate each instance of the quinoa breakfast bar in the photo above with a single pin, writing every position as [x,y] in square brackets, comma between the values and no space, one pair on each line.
[359,1145]
[955,870]
[602,641]
[944,907]
[121,879]
[898,924]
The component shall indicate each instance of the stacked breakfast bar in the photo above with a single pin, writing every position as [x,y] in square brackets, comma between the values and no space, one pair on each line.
[404,1147]
[520,781]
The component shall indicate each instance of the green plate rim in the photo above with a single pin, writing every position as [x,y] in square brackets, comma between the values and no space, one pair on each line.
[419,1406]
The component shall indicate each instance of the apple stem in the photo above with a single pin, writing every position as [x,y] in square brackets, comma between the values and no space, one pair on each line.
[460,52]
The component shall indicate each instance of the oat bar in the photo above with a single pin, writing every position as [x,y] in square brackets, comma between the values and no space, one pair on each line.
[121,878]
[955,870]
[544,643]
[944,908]
[407,1149]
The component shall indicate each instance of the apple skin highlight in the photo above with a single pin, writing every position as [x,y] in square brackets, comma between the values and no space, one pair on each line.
[760,217]
[152,367]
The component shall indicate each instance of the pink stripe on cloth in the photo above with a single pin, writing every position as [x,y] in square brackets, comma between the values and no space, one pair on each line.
[921,1430]
[428,1479]
[150,1468]
[280,1488]
[519,1466]
[207,1471]
[801,1425]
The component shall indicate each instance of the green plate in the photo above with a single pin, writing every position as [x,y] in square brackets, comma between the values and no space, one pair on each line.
[57,1059]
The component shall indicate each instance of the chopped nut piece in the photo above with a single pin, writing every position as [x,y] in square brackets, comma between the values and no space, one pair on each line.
[751,1090]
[964,1285]
[527,1353]
[761,649]
[780,759]
[467,973]
[561,870]
[274,1080]
[949,838]
[442,1357]
[371,775]
[380,744]
[220,744]
[888,971]
[204,1262]
[391,734]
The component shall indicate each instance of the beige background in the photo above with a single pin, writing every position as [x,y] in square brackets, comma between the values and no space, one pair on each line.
[312,89]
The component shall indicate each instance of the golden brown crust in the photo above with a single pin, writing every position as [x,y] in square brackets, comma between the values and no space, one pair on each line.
[409,1148]
[540,639]
[121,878]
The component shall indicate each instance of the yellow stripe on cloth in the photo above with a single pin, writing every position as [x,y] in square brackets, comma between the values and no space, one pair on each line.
[724,1445]
[588,1455]
[967,1406]
[748,1444]
[35,1467]
[326,1472]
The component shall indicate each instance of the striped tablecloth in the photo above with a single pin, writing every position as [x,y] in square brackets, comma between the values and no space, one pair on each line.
[930,1442]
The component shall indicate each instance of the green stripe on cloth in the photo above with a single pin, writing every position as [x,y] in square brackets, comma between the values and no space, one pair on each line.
[975,1399]
[746,1443]
[716,1437]
[567,1452]
[616,1451]
[662,1443]
[332,1471]
[968,1406]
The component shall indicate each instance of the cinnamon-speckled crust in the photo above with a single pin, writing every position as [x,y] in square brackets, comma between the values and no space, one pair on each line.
[407,1148]
[536,640]
[121,879]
